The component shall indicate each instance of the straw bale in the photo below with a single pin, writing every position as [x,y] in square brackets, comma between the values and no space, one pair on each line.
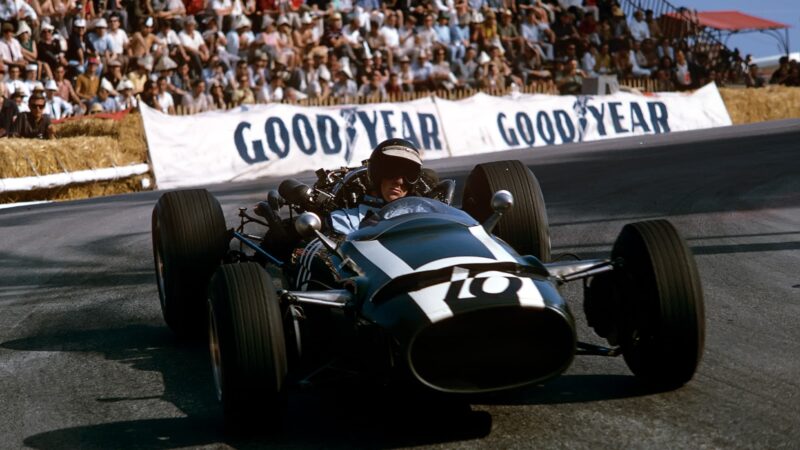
[87,127]
[132,139]
[759,105]
[30,157]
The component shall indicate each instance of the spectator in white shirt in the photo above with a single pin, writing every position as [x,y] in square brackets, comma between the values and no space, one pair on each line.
[164,100]
[16,10]
[119,38]
[126,99]
[55,106]
[638,27]
[10,49]
[193,45]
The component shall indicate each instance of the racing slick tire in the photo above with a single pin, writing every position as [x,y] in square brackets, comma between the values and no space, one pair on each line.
[662,328]
[248,348]
[189,242]
[525,227]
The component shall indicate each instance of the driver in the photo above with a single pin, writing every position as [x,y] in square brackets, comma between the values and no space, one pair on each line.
[394,168]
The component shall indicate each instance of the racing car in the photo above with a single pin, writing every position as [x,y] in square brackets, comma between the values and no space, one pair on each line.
[453,300]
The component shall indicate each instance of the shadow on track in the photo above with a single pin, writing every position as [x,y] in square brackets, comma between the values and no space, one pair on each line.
[345,415]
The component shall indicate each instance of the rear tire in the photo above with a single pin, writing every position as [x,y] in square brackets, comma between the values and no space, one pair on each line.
[189,241]
[662,328]
[247,343]
[525,227]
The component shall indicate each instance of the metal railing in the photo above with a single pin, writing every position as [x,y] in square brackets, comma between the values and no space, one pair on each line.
[683,24]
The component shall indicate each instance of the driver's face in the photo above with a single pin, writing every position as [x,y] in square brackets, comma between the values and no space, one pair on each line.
[393,188]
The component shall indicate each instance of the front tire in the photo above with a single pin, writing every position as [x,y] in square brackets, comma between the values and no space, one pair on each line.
[525,227]
[189,241]
[662,328]
[247,343]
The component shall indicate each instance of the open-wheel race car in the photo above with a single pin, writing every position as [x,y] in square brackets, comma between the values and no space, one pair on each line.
[458,301]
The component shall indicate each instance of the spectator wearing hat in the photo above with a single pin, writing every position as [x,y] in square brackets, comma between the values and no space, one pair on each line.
[10,48]
[165,67]
[141,74]
[114,72]
[344,87]
[445,38]
[56,107]
[509,35]
[79,47]
[50,50]
[29,50]
[422,70]
[31,77]
[87,83]
[193,45]
[126,98]
[101,42]
[307,36]
[105,97]
[619,27]
[33,124]
[239,38]
[144,42]
[406,74]
[286,45]
[196,100]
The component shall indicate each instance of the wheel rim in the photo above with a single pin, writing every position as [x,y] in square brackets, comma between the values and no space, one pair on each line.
[216,354]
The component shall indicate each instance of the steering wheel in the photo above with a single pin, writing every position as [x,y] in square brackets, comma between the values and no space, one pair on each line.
[443,191]
[351,189]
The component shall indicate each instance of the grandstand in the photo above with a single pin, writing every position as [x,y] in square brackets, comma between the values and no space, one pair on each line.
[185,56]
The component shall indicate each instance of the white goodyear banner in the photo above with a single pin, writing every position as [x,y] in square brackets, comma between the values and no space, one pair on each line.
[484,123]
[254,141]
[250,142]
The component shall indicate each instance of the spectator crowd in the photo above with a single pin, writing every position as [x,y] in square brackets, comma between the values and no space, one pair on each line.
[69,57]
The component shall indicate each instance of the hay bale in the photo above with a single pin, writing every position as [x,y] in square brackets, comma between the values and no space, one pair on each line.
[759,105]
[133,143]
[30,157]
[87,127]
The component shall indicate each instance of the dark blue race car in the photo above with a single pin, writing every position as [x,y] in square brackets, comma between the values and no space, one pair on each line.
[458,301]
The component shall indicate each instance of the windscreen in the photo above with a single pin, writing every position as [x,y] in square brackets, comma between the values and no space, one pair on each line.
[421,205]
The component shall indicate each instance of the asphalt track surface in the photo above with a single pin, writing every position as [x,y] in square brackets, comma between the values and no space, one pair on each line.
[86,361]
